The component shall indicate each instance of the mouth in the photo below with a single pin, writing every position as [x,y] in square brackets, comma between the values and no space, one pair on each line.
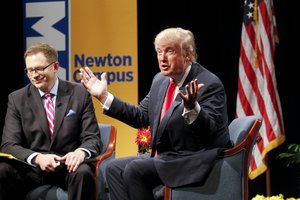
[36,81]
[164,67]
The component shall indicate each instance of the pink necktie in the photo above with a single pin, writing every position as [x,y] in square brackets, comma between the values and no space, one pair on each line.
[169,98]
[49,108]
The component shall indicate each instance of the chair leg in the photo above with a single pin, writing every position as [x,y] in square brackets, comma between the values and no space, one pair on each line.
[167,193]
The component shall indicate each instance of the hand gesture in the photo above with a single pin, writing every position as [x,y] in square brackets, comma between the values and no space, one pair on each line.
[94,86]
[192,92]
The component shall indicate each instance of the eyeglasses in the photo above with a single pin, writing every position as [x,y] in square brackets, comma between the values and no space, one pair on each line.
[38,70]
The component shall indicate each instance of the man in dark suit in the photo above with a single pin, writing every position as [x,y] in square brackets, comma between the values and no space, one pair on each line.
[55,150]
[190,135]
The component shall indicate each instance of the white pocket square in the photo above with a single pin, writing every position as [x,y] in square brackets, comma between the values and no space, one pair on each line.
[71,112]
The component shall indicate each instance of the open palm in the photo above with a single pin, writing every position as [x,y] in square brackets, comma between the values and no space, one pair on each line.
[93,85]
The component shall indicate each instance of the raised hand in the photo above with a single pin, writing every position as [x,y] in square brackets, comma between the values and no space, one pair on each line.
[94,86]
[192,92]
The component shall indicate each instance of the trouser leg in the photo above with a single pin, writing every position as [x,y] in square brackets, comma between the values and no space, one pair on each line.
[10,179]
[141,178]
[81,184]
[132,178]
[114,177]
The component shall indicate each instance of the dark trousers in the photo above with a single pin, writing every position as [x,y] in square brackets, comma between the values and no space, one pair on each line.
[132,178]
[16,180]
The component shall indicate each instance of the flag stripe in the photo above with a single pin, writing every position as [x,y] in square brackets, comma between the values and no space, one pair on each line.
[268,46]
[251,75]
[271,76]
[257,87]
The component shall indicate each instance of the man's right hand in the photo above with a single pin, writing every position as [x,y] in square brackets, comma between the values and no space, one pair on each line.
[47,162]
[94,86]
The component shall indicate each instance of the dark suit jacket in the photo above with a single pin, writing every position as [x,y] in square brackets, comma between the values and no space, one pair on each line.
[185,152]
[26,130]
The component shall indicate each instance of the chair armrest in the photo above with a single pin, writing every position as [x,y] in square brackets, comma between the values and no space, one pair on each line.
[100,161]
[111,147]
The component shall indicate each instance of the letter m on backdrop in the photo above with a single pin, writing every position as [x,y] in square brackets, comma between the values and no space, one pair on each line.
[48,22]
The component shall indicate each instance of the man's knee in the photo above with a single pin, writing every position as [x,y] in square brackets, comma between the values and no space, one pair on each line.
[6,168]
[83,172]
[114,167]
[131,172]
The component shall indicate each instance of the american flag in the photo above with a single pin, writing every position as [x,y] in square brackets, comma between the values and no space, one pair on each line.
[257,86]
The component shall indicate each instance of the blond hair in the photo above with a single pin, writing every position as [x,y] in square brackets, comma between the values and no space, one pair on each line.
[184,38]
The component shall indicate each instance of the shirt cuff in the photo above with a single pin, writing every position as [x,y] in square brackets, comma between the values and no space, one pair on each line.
[88,153]
[108,101]
[191,115]
[29,159]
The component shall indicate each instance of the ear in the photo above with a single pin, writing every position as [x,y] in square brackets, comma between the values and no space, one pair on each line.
[56,65]
[188,56]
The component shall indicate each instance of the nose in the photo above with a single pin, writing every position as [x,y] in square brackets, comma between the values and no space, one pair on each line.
[163,56]
[34,74]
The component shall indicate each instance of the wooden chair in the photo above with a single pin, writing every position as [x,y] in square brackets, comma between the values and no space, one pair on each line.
[228,179]
[108,139]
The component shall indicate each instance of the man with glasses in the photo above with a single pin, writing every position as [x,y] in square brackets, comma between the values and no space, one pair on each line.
[38,70]
[52,135]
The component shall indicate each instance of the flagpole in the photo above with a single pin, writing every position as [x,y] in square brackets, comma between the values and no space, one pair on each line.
[255,19]
[268,182]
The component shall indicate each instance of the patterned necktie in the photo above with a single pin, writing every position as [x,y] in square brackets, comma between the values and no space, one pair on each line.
[49,109]
[169,98]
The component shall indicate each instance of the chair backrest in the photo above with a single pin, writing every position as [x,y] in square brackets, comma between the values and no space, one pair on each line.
[105,132]
[108,138]
[228,178]
[240,127]
[243,133]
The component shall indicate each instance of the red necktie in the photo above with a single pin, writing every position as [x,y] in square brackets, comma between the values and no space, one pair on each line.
[49,108]
[169,98]
[168,101]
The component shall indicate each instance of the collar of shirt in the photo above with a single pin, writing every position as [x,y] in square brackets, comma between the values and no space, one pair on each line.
[179,85]
[187,71]
[53,91]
